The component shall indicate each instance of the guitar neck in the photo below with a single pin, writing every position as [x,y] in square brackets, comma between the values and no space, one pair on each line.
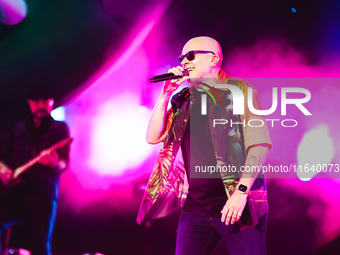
[25,166]
[35,160]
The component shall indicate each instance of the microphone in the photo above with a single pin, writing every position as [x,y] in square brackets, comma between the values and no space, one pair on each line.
[167,76]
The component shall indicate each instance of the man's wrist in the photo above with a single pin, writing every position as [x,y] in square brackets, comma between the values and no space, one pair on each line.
[61,165]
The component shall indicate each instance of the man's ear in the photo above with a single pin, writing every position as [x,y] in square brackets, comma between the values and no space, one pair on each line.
[214,61]
[50,101]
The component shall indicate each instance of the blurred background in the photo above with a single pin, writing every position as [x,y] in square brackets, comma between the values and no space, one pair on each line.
[97,56]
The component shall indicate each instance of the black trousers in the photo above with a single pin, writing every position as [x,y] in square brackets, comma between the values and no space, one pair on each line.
[38,220]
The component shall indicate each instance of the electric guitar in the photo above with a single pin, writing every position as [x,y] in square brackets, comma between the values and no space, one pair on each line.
[21,169]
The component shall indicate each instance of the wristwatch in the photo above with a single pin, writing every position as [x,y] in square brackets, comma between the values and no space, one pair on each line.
[243,189]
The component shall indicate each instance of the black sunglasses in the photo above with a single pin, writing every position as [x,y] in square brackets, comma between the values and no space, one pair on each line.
[190,55]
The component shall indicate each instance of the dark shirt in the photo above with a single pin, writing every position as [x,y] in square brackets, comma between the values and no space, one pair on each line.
[206,196]
[25,141]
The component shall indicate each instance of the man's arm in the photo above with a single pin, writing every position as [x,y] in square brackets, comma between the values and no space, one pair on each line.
[157,128]
[6,173]
[232,211]
[57,159]
[51,159]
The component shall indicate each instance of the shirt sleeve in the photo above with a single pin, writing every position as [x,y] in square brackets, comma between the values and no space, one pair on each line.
[255,128]
[169,117]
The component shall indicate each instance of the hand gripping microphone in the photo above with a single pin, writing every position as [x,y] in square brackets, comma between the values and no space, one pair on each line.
[167,76]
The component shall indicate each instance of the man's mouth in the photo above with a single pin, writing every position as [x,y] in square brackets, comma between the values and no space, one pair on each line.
[40,112]
[190,69]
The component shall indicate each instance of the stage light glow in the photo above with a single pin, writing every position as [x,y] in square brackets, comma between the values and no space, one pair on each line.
[293,10]
[315,148]
[12,12]
[58,113]
[108,121]
[118,136]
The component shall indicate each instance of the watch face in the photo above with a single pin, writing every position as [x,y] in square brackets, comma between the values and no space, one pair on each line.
[242,188]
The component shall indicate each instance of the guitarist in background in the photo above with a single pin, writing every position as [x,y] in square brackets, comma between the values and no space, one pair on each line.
[33,201]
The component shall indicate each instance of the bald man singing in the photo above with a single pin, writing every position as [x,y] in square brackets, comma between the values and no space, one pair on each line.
[206,148]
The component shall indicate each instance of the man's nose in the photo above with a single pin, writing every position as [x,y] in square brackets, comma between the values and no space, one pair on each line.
[41,103]
[185,62]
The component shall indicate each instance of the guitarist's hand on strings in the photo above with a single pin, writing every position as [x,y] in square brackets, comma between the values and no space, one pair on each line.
[49,158]
[6,173]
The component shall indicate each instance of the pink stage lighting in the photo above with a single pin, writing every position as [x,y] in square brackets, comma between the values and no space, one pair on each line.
[118,136]
[12,12]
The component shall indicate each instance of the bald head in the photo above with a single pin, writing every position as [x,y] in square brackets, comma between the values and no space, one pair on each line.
[204,43]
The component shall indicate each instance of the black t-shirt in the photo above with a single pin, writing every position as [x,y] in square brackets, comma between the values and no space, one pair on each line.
[207,195]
